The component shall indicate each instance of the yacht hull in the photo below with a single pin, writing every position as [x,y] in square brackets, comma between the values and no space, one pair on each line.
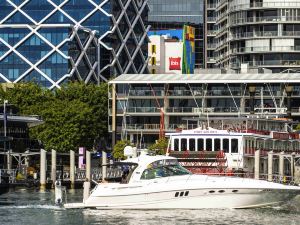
[196,199]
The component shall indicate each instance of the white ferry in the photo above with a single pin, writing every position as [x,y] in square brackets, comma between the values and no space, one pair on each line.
[231,143]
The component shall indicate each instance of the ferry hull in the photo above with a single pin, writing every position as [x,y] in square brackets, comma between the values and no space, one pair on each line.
[200,199]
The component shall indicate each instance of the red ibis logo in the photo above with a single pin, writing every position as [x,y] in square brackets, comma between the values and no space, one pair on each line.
[174,63]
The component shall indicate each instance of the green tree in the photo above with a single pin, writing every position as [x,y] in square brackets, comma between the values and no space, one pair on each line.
[160,147]
[118,150]
[74,116]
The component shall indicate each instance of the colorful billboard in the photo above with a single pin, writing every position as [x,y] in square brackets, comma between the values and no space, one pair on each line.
[188,58]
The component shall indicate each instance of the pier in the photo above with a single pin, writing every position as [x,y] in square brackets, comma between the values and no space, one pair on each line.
[276,166]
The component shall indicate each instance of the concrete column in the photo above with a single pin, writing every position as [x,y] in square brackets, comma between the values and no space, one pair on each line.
[72,168]
[53,167]
[256,164]
[9,160]
[104,167]
[270,166]
[43,168]
[114,115]
[281,164]
[88,165]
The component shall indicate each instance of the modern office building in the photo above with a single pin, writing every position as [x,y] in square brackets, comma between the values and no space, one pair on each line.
[52,41]
[210,31]
[259,33]
[137,103]
[173,14]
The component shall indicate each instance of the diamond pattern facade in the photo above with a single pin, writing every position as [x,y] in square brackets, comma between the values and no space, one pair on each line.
[52,41]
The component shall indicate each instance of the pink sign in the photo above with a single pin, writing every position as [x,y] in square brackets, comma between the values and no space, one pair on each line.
[81,158]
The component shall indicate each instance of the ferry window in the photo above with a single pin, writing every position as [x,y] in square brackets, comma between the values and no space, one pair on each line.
[200,144]
[234,146]
[176,144]
[192,145]
[226,145]
[208,144]
[217,145]
[183,144]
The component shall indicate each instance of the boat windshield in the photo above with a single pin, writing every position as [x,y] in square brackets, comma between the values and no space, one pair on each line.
[164,168]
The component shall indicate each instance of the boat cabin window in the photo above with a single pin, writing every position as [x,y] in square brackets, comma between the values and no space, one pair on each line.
[176,144]
[208,144]
[217,145]
[234,146]
[164,168]
[192,146]
[226,145]
[183,144]
[200,144]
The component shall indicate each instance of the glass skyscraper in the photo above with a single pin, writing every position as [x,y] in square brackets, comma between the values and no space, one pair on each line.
[52,41]
[173,14]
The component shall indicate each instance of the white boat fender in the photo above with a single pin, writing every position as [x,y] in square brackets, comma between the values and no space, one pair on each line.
[58,193]
[86,190]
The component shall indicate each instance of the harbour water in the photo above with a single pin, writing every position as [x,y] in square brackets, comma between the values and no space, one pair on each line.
[23,206]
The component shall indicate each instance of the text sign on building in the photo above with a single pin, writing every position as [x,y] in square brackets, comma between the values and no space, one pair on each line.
[175,63]
[282,136]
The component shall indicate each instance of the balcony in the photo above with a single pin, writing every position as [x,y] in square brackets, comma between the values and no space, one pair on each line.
[264,19]
[211,5]
[156,127]
[265,49]
[143,110]
[271,63]
[211,19]
[146,93]
[275,4]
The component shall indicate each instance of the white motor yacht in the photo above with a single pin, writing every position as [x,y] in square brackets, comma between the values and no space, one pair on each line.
[160,182]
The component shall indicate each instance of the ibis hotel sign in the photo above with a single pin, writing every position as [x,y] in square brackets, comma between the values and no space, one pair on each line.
[175,63]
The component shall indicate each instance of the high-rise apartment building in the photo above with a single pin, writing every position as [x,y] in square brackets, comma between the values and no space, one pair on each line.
[174,14]
[52,41]
[259,33]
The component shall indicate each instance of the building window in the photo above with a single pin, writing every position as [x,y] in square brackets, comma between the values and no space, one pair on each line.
[217,145]
[183,144]
[153,49]
[200,144]
[226,145]
[153,61]
[176,144]
[208,144]
[192,144]
[234,146]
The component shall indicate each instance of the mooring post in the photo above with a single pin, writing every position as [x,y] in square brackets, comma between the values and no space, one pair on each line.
[88,165]
[72,168]
[293,166]
[281,166]
[43,168]
[256,164]
[53,167]
[9,160]
[270,166]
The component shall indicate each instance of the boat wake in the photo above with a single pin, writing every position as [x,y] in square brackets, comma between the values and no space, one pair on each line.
[53,207]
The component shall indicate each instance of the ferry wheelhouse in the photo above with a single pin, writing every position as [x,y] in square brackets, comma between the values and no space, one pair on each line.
[226,144]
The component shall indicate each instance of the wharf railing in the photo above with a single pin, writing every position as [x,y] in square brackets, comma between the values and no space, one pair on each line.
[10,173]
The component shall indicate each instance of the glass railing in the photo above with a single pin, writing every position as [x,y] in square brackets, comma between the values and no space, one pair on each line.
[269,63]
[265,48]
[279,4]
[264,19]
[143,110]
[146,93]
